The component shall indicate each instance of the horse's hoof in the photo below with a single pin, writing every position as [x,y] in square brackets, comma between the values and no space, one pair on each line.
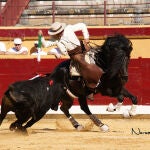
[110,108]
[126,114]
[80,128]
[104,128]
[132,113]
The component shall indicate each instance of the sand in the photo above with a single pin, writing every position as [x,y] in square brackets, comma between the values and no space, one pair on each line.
[58,134]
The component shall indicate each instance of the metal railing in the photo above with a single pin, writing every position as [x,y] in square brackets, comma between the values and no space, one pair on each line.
[93,13]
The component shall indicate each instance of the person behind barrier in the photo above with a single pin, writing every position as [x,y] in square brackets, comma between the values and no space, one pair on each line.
[2,48]
[18,48]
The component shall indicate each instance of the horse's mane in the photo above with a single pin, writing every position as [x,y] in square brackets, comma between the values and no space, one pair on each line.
[118,41]
[110,54]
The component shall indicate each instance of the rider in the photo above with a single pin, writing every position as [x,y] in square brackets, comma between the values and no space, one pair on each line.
[69,42]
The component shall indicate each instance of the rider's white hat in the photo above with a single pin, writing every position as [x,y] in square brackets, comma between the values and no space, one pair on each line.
[17,41]
[56,28]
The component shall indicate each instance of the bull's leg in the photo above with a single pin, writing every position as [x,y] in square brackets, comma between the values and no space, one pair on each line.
[17,126]
[33,120]
[22,116]
[85,108]
[13,125]
[67,102]
[6,106]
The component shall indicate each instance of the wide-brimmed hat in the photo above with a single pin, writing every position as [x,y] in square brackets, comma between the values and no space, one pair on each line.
[17,41]
[56,28]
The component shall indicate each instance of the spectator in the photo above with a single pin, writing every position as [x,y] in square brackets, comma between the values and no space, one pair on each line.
[34,50]
[2,48]
[18,48]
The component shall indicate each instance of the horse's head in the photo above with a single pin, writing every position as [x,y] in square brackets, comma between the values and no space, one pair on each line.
[114,55]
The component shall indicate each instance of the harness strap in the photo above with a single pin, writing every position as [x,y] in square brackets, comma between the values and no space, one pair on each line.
[75,51]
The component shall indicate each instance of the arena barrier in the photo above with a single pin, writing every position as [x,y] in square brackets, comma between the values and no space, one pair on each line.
[19,68]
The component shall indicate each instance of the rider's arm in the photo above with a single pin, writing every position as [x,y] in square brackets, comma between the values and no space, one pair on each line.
[44,42]
[48,43]
[81,27]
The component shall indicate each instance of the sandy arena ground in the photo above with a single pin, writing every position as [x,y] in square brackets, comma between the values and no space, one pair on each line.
[58,134]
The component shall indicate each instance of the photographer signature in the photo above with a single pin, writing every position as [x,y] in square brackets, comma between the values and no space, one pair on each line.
[138,131]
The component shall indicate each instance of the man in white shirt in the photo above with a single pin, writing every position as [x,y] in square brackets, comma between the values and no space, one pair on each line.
[18,48]
[2,48]
[68,43]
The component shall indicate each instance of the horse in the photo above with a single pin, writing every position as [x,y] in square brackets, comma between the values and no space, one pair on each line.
[113,57]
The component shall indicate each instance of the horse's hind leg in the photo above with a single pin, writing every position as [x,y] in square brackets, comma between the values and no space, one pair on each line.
[96,121]
[67,102]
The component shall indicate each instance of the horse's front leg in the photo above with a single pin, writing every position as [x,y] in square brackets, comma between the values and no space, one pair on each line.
[85,108]
[67,102]
[126,93]
[112,108]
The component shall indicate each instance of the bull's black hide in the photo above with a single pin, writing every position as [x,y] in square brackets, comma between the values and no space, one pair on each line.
[32,99]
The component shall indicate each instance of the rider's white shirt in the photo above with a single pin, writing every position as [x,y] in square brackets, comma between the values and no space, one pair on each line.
[69,40]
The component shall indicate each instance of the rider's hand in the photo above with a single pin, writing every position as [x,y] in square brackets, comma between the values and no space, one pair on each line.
[86,44]
[40,32]
[86,41]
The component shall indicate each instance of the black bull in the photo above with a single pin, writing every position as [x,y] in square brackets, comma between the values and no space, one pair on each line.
[31,99]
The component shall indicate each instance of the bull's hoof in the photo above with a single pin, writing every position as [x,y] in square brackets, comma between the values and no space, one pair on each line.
[12,127]
[21,130]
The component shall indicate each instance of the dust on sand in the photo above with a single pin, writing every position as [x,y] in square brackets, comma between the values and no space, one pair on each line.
[58,134]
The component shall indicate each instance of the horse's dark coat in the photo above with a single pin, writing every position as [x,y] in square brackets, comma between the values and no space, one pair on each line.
[113,57]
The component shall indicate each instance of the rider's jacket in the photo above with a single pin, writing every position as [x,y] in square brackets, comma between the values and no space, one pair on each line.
[69,41]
